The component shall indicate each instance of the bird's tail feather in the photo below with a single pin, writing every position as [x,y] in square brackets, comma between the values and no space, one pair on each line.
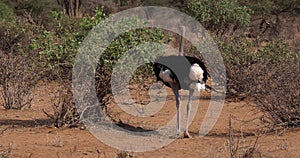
[197,86]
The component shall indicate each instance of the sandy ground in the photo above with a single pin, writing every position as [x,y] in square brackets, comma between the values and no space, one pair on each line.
[29,133]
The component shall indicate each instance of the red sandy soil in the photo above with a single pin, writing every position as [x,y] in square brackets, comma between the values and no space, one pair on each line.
[29,133]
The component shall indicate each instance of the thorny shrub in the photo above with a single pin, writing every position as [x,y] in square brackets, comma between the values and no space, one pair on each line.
[64,110]
[278,92]
[18,76]
[271,75]
[237,147]
[18,71]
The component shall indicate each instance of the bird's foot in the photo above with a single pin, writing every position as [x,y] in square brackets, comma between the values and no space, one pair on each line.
[178,135]
[186,134]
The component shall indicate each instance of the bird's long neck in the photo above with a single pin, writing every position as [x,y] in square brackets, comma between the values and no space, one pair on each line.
[182,41]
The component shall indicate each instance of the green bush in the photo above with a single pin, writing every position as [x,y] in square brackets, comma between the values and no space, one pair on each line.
[123,43]
[238,52]
[235,53]
[275,51]
[6,13]
[58,48]
[16,36]
[219,14]
[268,7]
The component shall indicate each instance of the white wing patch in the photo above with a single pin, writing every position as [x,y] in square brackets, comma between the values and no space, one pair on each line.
[196,73]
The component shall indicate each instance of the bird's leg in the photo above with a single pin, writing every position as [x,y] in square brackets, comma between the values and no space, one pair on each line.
[178,113]
[188,109]
[176,93]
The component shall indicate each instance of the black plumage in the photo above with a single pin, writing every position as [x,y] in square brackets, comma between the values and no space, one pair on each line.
[180,67]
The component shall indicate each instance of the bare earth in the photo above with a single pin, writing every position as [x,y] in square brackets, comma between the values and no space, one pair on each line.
[29,133]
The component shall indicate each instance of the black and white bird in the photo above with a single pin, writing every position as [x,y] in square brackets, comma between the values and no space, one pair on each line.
[181,72]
